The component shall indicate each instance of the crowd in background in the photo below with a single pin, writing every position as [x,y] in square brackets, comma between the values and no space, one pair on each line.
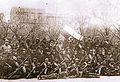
[48,59]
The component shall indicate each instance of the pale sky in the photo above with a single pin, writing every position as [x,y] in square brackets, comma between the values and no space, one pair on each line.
[97,11]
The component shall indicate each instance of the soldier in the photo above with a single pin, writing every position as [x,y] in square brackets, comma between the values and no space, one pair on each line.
[1,67]
[116,51]
[107,44]
[22,45]
[74,69]
[43,44]
[32,45]
[32,73]
[55,66]
[37,41]
[67,53]
[28,43]
[88,44]
[18,61]
[23,53]
[52,44]
[54,70]
[8,65]
[26,69]
[45,69]
[97,45]
[63,70]
[14,52]
[40,55]
[111,67]
[6,48]
[38,69]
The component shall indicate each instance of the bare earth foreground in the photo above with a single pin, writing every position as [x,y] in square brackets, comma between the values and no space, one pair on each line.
[101,79]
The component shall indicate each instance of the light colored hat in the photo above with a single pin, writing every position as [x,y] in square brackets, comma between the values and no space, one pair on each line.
[6,40]
[76,59]
[15,58]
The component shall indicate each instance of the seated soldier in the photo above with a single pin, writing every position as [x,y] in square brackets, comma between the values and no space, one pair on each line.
[111,67]
[37,69]
[54,70]
[45,69]
[26,69]
[17,61]
[74,69]
[32,73]
[63,70]
[7,65]
[55,66]
[22,68]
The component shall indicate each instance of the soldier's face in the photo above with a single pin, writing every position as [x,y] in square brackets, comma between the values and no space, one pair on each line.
[6,43]
[34,60]
[46,60]
[77,61]
[38,64]
[24,51]
[109,52]
[82,51]
[53,52]
[14,53]
[48,53]
[75,52]
[91,52]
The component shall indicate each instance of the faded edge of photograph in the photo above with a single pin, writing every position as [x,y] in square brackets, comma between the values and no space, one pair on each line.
[59,40]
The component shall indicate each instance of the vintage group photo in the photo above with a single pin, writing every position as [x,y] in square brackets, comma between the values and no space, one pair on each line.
[59,39]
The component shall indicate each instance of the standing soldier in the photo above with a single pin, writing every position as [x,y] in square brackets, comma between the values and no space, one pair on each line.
[6,48]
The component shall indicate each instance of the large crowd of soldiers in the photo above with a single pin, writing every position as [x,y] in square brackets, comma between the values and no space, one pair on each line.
[54,59]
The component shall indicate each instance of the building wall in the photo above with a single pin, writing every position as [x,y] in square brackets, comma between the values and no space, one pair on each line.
[39,19]
[26,15]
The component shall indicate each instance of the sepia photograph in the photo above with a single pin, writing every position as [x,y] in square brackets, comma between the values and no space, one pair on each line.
[59,40]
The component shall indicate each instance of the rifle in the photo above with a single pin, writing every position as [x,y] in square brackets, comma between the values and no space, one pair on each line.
[115,69]
[20,66]
[83,58]
[8,65]
[38,76]
[101,66]
[58,66]
[30,72]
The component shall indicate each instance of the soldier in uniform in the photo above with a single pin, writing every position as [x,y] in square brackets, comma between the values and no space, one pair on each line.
[63,70]
[37,70]
[26,69]
[54,70]
[45,69]
[116,51]
[6,47]
[1,67]
[106,45]
[33,70]
[74,69]
[23,53]
[8,65]
[28,43]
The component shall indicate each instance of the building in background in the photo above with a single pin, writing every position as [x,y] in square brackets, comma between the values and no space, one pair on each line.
[38,19]
[26,15]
